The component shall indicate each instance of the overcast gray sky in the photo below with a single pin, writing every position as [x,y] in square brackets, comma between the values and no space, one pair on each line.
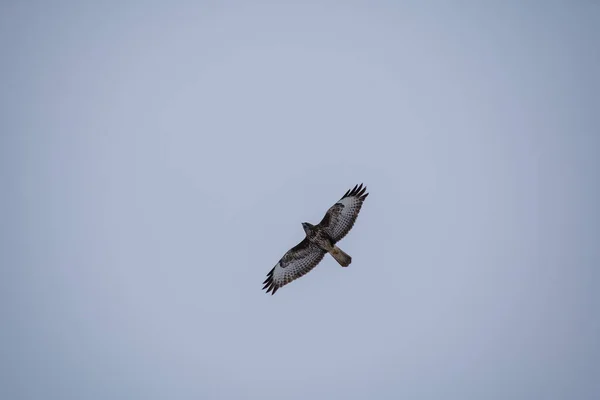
[158,159]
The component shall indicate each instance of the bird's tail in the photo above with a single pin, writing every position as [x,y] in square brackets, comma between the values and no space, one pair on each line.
[341,257]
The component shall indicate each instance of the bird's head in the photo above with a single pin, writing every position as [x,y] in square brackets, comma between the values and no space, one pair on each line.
[307,227]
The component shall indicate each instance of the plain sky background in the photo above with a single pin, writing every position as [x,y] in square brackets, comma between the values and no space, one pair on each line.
[158,158]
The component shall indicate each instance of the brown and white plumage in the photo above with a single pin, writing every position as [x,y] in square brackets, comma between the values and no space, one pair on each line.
[297,262]
[320,239]
[340,218]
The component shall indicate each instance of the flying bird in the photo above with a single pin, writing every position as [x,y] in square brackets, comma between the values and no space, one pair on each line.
[320,239]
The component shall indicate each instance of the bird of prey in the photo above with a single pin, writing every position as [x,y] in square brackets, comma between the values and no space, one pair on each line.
[320,239]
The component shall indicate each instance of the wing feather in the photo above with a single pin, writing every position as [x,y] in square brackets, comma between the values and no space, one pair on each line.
[340,218]
[298,261]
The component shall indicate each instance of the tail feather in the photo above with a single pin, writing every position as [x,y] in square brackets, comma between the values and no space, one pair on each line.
[342,258]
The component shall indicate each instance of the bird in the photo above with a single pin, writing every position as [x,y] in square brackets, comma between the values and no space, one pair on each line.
[320,239]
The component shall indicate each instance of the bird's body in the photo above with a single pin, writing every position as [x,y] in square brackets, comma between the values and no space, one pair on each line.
[320,239]
[318,236]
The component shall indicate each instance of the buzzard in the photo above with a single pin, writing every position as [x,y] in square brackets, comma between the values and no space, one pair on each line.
[320,239]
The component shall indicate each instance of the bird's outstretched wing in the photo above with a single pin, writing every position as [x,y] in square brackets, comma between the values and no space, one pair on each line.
[297,262]
[340,218]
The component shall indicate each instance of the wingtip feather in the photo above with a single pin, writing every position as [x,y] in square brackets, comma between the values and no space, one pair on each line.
[357,191]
